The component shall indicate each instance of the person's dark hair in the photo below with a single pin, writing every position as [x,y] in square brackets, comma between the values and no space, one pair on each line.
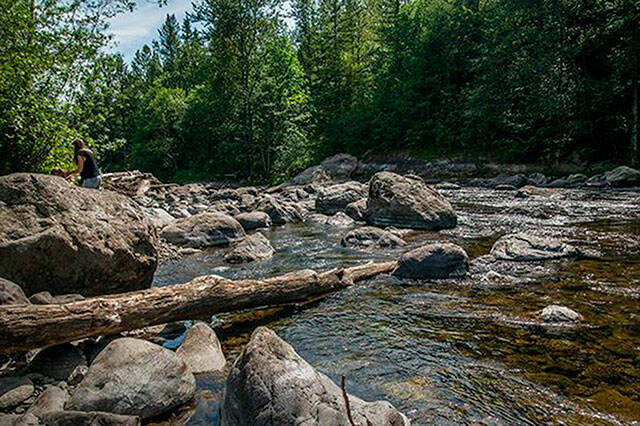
[79,145]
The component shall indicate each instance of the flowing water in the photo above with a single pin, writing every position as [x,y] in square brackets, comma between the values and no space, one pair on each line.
[467,351]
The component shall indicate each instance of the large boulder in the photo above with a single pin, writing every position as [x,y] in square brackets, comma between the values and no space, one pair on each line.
[622,177]
[270,384]
[371,237]
[254,247]
[315,174]
[340,166]
[203,230]
[253,220]
[526,247]
[357,209]
[335,198]
[407,202]
[280,212]
[433,261]
[201,350]
[12,294]
[65,239]
[134,377]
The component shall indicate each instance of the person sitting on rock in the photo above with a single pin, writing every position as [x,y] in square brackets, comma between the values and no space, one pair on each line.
[86,166]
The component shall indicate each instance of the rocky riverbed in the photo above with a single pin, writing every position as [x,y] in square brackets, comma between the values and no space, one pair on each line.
[515,301]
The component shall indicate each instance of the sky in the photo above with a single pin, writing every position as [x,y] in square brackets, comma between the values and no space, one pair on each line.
[132,30]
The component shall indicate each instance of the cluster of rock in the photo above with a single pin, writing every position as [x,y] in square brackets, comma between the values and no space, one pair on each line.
[130,381]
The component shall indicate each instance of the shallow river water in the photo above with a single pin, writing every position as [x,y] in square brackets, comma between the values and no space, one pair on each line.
[467,351]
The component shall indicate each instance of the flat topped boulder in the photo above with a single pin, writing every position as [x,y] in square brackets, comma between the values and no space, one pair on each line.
[407,202]
[203,230]
[64,239]
[134,377]
[433,261]
[335,198]
[270,384]
[526,247]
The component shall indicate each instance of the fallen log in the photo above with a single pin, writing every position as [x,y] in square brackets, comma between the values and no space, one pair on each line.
[25,327]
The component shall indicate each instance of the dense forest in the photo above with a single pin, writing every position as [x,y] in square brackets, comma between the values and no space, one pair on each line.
[259,89]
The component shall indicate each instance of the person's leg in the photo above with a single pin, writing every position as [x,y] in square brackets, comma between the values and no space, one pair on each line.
[93,183]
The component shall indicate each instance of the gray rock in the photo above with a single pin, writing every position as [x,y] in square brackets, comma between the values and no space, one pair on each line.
[270,384]
[357,210]
[254,247]
[204,230]
[50,400]
[26,419]
[14,390]
[77,375]
[12,294]
[370,237]
[537,179]
[253,220]
[505,188]
[524,247]
[556,313]
[315,174]
[447,186]
[159,217]
[597,181]
[279,212]
[45,298]
[433,261]
[623,177]
[58,361]
[518,180]
[201,350]
[340,166]
[76,240]
[335,198]
[407,202]
[80,418]
[134,377]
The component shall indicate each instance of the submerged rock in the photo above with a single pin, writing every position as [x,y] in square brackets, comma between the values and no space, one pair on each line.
[12,294]
[201,350]
[335,198]
[204,230]
[407,202]
[524,247]
[557,313]
[134,377]
[14,390]
[253,247]
[65,239]
[270,384]
[433,261]
[623,177]
[253,220]
[369,237]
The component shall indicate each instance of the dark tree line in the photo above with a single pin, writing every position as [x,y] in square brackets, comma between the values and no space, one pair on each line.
[261,88]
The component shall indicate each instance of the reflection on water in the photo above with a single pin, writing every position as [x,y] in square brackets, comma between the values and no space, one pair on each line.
[458,354]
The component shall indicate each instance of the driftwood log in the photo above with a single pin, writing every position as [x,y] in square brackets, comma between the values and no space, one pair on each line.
[25,327]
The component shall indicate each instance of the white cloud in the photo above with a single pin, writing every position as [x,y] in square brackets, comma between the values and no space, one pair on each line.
[132,30]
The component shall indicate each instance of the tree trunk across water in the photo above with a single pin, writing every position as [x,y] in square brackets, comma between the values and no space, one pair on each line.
[25,327]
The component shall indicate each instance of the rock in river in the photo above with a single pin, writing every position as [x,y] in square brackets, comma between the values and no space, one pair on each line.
[14,390]
[524,247]
[433,261]
[280,212]
[270,384]
[80,418]
[407,202]
[203,230]
[134,377]
[58,361]
[622,177]
[12,294]
[335,198]
[64,239]
[370,236]
[253,220]
[254,247]
[557,313]
[201,350]
[52,399]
